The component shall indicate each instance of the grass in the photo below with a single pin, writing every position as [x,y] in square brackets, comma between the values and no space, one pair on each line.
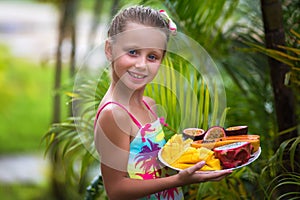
[26,103]
[25,191]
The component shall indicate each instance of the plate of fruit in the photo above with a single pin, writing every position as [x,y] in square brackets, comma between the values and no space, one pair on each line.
[220,152]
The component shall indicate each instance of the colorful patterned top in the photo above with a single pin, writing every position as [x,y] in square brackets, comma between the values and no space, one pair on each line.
[143,160]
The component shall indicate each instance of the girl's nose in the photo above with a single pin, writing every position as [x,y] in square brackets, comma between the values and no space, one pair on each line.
[141,62]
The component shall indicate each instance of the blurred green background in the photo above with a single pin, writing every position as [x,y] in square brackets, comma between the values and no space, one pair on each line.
[26,91]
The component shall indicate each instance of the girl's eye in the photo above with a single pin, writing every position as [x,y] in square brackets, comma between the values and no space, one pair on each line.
[152,57]
[132,52]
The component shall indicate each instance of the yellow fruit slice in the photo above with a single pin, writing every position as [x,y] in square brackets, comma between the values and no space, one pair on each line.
[214,163]
[174,148]
[205,154]
[190,155]
[182,165]
[180,154]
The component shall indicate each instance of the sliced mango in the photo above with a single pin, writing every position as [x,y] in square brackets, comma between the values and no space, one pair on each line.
[214,163]
[174,148]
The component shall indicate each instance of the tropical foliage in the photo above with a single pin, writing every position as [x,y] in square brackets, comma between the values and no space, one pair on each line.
[73,138]
[284,166]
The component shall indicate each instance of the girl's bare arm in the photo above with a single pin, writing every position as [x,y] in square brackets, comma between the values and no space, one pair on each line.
[119,186]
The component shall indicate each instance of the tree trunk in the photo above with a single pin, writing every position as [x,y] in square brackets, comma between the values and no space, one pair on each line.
[95,23]
[73,51]
[57,80]
[57,188]
[67,22]
[284,98]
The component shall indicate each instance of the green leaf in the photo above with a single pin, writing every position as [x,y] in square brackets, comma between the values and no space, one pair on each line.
[206,110]
[215,107]
[293,149]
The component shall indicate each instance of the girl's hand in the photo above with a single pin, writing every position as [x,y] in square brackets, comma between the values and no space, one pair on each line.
[192,175]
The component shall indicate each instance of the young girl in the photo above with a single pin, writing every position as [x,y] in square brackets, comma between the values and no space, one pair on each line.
[128,133]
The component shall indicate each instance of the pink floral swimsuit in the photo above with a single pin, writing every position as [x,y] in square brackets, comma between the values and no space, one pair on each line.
[143,160]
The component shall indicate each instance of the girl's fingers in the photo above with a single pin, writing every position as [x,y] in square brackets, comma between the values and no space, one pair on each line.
[195,168]
[196,176]
[215,176]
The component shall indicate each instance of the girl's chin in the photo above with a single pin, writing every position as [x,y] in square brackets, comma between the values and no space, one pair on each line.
[131,85]
[136,86]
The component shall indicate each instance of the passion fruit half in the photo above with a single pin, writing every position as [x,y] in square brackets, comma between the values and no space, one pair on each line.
[236,130]
[214,132]
[194,133]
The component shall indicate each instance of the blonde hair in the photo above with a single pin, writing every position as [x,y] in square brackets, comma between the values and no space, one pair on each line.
[140,15]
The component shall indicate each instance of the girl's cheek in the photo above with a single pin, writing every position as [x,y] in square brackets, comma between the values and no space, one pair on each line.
[117,53]
[154,68]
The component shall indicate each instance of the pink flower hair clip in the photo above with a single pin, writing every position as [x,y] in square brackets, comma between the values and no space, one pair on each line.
[172,25]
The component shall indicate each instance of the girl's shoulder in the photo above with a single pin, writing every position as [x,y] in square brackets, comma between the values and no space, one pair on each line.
[151,102]
[113,121]
[110,111]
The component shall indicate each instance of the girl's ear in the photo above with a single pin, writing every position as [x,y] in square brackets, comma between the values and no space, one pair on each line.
[108,50]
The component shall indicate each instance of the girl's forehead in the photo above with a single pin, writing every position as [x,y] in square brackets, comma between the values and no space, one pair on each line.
[141,36]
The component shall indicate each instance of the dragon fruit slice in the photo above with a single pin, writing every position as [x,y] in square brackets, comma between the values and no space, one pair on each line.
[233,155]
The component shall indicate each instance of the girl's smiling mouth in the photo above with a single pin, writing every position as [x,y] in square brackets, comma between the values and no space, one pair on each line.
[136,75]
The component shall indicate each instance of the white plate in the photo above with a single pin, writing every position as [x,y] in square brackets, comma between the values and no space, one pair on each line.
[253,157]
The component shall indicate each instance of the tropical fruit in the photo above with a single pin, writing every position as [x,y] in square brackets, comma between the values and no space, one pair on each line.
[236,130]
[216,149]
[179,154]
[175,146]
[192,155]
[233,155]
[214,132]
[194,133]
[253,139]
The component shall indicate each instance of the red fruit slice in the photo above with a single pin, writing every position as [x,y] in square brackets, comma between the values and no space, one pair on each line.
[233,155]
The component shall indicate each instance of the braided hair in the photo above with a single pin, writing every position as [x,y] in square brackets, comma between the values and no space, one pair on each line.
[140,15]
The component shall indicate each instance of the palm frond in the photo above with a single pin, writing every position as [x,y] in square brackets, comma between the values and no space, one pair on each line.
[284,180]
[278,55]
[72,139]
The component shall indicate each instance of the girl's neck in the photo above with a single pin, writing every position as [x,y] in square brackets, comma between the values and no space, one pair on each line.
[126,96]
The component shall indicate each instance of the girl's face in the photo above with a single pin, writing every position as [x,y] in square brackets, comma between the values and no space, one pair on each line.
[136,55]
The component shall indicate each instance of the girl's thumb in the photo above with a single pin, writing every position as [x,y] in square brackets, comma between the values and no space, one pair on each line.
[200,164]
